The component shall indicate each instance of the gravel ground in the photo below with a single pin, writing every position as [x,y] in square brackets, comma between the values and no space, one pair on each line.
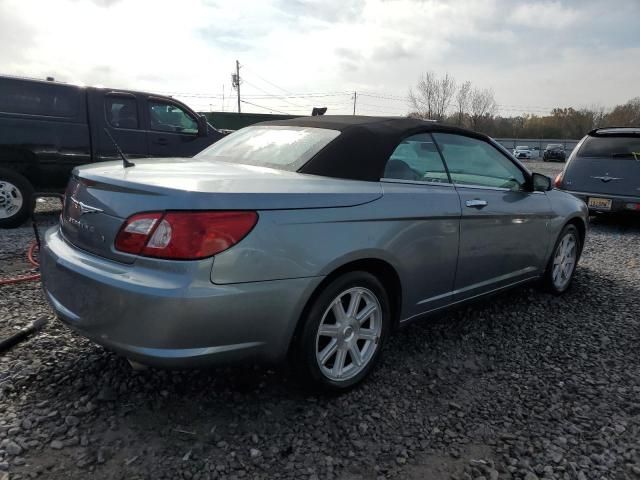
[551,169]
[524,385]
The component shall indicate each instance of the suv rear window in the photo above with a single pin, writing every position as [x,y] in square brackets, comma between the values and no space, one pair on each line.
[611,146]
[32,98]
[282,148]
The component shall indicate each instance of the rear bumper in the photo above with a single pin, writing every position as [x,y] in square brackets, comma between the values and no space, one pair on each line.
[171,315]
[619,203]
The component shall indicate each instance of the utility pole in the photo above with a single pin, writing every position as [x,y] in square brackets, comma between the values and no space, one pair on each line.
[355,97]
[238,76]
[235,81]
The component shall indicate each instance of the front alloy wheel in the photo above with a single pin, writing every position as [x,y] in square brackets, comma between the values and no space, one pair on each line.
[564,259]
[342,335]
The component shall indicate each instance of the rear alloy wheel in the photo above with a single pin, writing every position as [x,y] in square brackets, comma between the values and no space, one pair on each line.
[564,259]
[343,334]
[15,197]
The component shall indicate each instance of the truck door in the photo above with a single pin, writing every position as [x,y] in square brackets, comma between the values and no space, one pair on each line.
[119,112]
[173,130]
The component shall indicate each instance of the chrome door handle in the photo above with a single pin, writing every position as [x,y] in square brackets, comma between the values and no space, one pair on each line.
[476,203]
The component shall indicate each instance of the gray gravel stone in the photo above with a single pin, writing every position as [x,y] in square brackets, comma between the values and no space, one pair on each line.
[12,448]
[56,445]
[524,383]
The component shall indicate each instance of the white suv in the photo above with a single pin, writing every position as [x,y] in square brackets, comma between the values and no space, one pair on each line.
[522,151]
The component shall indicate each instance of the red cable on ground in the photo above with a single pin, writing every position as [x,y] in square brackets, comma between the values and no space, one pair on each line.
[32,249]
[25,278]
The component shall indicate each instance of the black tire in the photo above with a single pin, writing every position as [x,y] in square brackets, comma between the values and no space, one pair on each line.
[13,184]
[304,358]
[548,280]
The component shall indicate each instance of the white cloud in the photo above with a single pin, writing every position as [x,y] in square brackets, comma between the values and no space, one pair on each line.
[532,52]
[547,15]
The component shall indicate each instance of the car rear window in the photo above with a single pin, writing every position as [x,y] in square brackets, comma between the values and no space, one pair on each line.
[279,147]
[610,146]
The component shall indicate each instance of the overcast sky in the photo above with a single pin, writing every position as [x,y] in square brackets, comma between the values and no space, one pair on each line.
[534,54]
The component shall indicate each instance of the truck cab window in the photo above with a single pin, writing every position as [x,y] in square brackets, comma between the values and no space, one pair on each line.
[122,112]
[167,117]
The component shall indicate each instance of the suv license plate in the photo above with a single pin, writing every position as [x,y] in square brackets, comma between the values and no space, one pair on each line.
[599,203]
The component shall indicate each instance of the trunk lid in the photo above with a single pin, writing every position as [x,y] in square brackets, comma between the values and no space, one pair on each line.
[605,175]
[101,196]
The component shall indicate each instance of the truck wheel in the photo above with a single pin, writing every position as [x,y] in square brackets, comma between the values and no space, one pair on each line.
[16,197]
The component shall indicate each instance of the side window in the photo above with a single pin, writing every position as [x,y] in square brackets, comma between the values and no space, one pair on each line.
[167,117]
[475,162]
[122,111]
[416,158]
[38,98]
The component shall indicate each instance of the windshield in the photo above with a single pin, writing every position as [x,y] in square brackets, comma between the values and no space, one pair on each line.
[614,147]
[522,148]
[282,148]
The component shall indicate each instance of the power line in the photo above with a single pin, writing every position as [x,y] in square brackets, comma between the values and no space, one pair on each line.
[384,96]
[268,95]
[266,108]
[275,96]
[267,81]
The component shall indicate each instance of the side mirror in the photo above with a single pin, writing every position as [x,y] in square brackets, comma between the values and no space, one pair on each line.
[541,183]
[202,126]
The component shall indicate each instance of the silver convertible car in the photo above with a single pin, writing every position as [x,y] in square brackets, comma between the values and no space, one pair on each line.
[310,239]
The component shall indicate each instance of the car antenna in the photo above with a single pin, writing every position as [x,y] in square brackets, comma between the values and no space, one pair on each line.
[125,163]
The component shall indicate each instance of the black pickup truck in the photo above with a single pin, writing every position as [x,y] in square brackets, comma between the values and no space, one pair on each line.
[47,128]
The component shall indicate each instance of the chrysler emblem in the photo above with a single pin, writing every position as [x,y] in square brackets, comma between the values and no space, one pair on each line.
[607,178]
[84,208]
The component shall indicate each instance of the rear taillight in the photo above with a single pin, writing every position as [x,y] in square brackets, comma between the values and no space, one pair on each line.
[184,235]
[558,181]
[134,234]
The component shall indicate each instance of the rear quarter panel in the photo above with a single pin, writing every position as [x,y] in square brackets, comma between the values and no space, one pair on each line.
[413,228]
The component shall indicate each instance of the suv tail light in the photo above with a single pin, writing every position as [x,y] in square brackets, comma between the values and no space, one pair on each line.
[183,235]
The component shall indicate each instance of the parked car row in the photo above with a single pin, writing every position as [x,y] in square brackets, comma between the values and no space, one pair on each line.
[48,128]
[552,152]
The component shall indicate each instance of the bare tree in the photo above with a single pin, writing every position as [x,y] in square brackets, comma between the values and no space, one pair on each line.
[423,100]
[599,116]
[483,105]
[432,96]
[463,98]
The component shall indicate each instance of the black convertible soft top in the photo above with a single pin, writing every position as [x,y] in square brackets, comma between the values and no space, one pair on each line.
[365,144]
